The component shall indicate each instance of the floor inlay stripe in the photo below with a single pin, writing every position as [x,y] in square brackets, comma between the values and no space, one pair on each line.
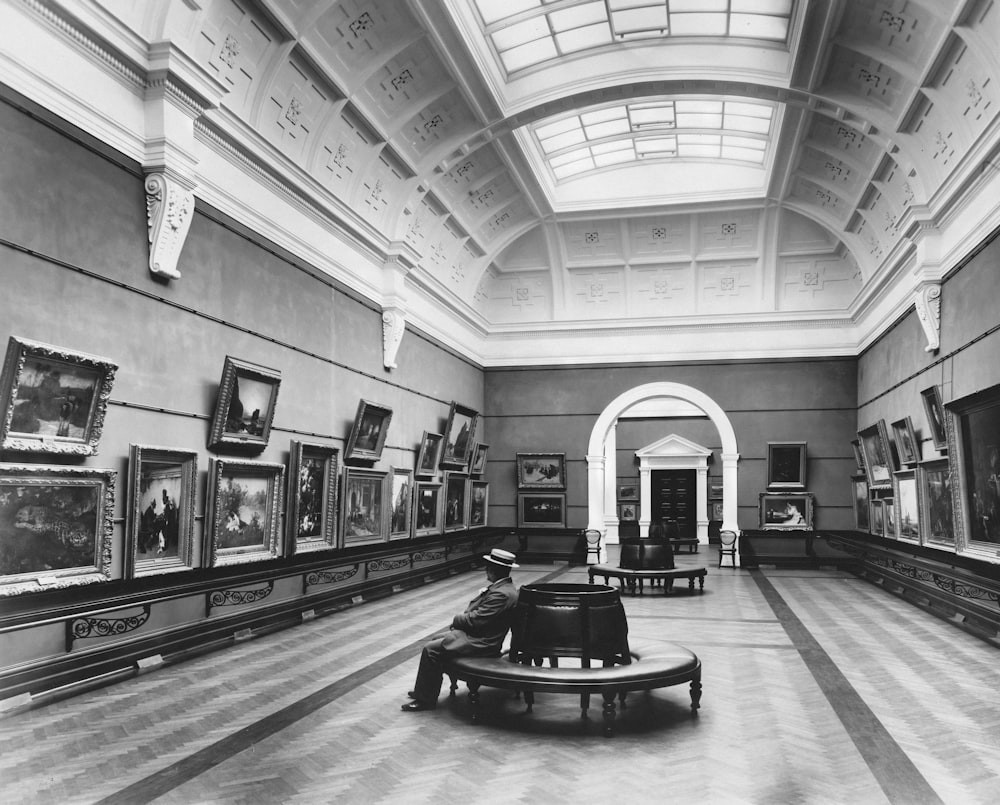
[899,778]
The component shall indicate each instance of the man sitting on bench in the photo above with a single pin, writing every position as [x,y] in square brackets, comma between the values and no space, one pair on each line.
[480,630]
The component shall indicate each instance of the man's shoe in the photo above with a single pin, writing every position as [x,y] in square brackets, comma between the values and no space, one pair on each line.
[416,707]
[411,694]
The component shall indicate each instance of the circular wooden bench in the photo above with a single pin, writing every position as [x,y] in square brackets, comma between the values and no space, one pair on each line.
[632,577]
[653,665]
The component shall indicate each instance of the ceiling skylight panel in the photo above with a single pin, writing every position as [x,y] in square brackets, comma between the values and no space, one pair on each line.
[526,55]
[742,154]
[647,19]
[749,109]
[648,116]
[558,127]
[576,155]
[699,24]
[574,168]
[583,38]
[745,142]
[758,26]
[775,8]
[656,147]
[701,120]
[494,10]
[686,6]
[521,33]
[564,140]
[692,107]
[603,115]
[757,125]
[617,145]
[578,16]
[607,129]
[614,158]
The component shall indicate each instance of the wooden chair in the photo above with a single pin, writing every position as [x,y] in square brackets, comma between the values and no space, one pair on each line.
[727,546]
[593,537]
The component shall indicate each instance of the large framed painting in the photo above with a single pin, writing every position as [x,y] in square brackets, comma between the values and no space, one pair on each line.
[907,447]
[427,509]
[400,502]
[541,510]
[907,507]
[53,400]
[55,527]
[477,466]
[859,487]
[371,425]
[875,451]
[242,516]
[541,470]
[479,499]
[786,465]
[245,406]
[786,510]
[935,500]
[427,457]
[458,436]
[456,498]
[364,506]
[159,536]
[934,411]
[973,427]
[313,477]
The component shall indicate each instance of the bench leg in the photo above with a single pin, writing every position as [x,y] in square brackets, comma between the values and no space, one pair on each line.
[474,701]
[701,583]
[584,704]
[609,715]
[621,699]
[691,584]
[668,587]
[529,699]
[695,695]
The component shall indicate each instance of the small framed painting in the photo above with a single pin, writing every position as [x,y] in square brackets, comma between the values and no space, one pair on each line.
[889,518]
[159,537]
[313,477]
[878,460]
[55,527]
[935,500]
[53,400]
[242,517]
[427,457]
[364,506]
[876,526]
[786,510]
[628,511]
[859,487]
[371,424]
[628,490]
[458,437]
[244,410]
[858,458]
[907,508]
[479,498]
[455,501]
[786,465]
[477,466]
[934,411]
[541,510]
[428,508]
[907,447]
[541,470]
[400,502]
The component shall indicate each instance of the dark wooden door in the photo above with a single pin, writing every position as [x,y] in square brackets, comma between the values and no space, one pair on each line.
[673,498]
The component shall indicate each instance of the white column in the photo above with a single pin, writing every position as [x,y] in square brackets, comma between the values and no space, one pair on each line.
[729,482]
[611,488]
[645,493]
[701,497]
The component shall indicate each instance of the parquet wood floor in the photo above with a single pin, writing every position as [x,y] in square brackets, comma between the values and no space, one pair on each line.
[818,688]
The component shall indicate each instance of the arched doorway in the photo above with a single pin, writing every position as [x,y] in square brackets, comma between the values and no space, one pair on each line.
[600,465]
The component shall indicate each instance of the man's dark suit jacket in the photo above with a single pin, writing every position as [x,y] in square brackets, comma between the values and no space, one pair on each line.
[481,629]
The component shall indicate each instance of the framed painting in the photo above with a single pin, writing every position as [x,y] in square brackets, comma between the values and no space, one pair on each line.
[935,500]
[786,465]
[477,466]
[875,451]
[907,447]
[427,509]
[456,497]
[628,511]
[371,424]
[458,436]
[541,510]
[242,516]
[858,458]
[859,489]
[400,502]
[907,508]
[541,470]
[159,535]
[876,525]
[786,511]
[889,518]
[715,510]
[364,506]
[715,490]
[427,457]
[244,409]
[56,527]
[313,476]
[628,490]
[973,426]
[53,400]
[479,499]
[934,411]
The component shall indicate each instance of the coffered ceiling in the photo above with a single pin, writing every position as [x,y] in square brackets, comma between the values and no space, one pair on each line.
[548,181]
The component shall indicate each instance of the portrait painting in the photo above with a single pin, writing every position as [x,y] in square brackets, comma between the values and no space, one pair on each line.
[859,486]
[364,508]
[54,400]
[935,498]
[541,510]
[245,407]
[455,500]
[427,516]
[786,511]
[400,502]
[907,447]
[55,527]
[875,450]
[244,501]
[479,496]
[458,436]
[541,470]
[367,438]
[907,508]
[786,465]
[313,471]
[160,533]
[974,443]
[427,457]
[934,412]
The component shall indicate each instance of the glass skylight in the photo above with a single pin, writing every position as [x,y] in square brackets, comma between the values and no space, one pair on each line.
[668,129]
[529,32]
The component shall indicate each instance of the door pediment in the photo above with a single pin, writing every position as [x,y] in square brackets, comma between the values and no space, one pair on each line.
[672,445]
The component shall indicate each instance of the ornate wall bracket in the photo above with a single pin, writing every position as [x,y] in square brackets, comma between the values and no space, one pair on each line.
[79,628]
[169,211]
[927,300]
[237,597]
[393,328]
